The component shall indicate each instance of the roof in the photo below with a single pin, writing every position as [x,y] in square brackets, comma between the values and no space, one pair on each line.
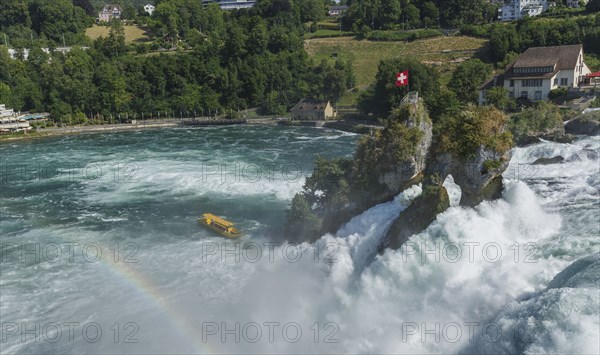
[111,8]
[338,8]
[594,75]
[218,220]
[310,105]
[493,82]
[564,57]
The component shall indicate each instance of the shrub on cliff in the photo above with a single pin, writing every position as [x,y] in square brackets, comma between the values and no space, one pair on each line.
[328,185]
[326,190]
[397,144]
[463,133]
[543,119]
[302,223]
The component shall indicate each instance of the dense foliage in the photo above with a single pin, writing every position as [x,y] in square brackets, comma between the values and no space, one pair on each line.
[517,37]
[54,21]
[540,120]
[463,133]
[227,61]
[467,79]
[382,96]
[365,15]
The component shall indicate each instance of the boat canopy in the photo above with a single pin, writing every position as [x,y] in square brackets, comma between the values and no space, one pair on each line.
[217,220]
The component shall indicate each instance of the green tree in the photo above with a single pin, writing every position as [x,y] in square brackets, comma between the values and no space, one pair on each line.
[384,95]
[87,6]
[57,18]
[497,97]
[13,12]
[302,223]
[430,14]
[467,79]
[593,6]
[5,94]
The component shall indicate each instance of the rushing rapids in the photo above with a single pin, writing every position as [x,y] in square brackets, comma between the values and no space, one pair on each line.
[101,253]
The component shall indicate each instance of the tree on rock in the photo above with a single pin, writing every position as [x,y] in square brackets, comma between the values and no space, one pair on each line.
[384,94]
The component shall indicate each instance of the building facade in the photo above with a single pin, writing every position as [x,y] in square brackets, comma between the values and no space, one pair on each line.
[231,4]
[335,11]
[149,8]
[110,12]
[313,110]
[576,3]
[517,9]
[6,112]
[23,53]
[540,70]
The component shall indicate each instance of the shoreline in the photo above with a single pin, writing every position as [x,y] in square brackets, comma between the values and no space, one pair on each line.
[76,130]
[358,127]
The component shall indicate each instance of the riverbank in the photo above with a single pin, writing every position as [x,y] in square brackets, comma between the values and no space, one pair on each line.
[352,126]
[64,131]
[70,130]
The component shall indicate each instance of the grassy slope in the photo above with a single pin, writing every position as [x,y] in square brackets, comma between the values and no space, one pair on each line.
[445,53]
[132,33]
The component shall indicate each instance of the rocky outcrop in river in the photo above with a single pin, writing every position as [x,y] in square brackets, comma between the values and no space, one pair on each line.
[586,124]
[473,146]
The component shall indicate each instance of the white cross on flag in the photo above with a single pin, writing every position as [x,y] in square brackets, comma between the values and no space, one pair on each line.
[402,78]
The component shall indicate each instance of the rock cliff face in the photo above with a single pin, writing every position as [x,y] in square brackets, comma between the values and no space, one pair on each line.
[544,121]
[386,163]
[420,214]
[473,146]
[402,168]
[587,124]
[474,174]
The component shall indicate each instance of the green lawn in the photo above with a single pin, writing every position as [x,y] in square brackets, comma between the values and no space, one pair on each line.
[132,33]
[444,53]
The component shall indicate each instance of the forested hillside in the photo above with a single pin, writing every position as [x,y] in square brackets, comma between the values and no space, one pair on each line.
[225,61]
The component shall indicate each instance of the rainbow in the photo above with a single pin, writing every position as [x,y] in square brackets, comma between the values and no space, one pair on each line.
[145,287]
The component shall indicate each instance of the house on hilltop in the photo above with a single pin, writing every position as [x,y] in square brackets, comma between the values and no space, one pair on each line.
[513,10]
[110,12]
[149,9]
[337,10]
[539,70]
[313,110]
[231,4]
[576,3]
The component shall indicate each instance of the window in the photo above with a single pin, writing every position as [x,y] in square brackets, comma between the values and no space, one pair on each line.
[524,94]
[555,81]
[525,70]
[564,81]
[512,83]
[532,82]
[537,96]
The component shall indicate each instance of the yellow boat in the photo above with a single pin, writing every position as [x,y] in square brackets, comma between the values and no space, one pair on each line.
[219,225]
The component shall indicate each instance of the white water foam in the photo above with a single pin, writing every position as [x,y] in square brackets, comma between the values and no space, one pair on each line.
[376,304]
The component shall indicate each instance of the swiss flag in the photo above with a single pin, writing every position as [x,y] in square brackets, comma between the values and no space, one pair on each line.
[402,78]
